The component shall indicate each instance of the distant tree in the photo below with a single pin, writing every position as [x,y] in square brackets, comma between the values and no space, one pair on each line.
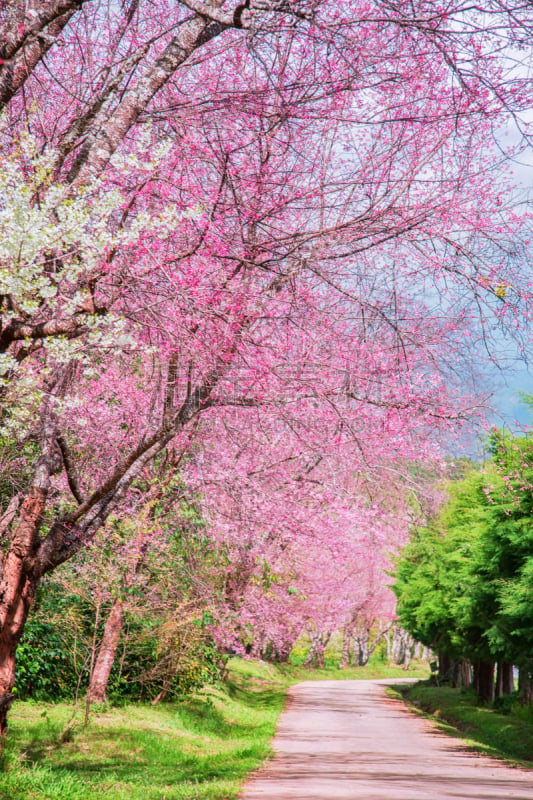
[463,583]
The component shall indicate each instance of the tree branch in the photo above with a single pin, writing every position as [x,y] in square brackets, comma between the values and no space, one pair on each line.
[29,42]
[104,138]
[9,514]
[209,12]
[69,469]
[19,331]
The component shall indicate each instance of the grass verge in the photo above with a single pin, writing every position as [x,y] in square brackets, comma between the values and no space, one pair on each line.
[456,712]
[296,673]
[201,748]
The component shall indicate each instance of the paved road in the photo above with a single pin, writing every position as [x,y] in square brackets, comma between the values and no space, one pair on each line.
[345,740]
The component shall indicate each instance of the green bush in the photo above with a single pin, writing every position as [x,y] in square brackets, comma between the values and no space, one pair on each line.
[506,703]
[53,652]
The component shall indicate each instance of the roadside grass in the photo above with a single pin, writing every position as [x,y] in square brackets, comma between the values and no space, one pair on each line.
[507,736]
[294,673]
[200,748]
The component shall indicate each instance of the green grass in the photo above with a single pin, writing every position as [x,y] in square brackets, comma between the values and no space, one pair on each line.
[201,748]
[507,736]
[295,673]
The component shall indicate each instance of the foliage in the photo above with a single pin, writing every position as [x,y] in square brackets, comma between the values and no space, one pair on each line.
[463,583]
[16,463]
[166,642]
[436,579]
[172,656]
[53,654]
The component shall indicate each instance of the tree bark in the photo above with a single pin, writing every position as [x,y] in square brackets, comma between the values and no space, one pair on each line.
[475,682]
[27,39]
[498,688]
[21,593]
[486,681]
[507,678]
[106,654]
[525,689]
[346,647]
[401,641]
[315,657]
[456,674]
[466,673]
[445,667]
[408,646]
[109,129]
[282,652]
[361,647]
[17,589]
[381,634]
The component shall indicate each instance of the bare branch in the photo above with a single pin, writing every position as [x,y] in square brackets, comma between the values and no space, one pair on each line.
[20,331]
[9,514]
[209,12]
[69,468]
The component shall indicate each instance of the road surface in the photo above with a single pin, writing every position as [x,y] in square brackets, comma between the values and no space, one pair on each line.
[345,740]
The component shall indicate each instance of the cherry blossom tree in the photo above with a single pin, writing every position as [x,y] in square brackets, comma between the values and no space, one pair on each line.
[273,242]
[307,530]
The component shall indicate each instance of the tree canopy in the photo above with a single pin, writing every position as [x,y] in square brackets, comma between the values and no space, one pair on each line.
[257,245]
[464,582]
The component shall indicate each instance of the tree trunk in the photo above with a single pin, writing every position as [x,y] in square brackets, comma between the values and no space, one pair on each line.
[282,652]
[507,678]
[397,646]
[486,681]
[525,689]
[445,667]
[11,633]
[106,654]
[17,590]
[346,647]
[315,657]
[320,656]
[401,642]
[498,688]
[361,647]
[408,648]
[456,674]
[475,682]
[312,656]
[382,633]
[466,673]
